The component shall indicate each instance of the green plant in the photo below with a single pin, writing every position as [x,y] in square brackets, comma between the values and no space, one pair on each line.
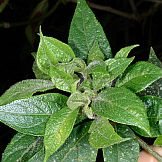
[88,100]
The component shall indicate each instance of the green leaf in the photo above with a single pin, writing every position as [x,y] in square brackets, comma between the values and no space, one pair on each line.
[123,52]
[140,76]
[58,128]
[50,52]
[152,105]
[100,75]
[122,106]
[38,157]
[127,151]
[21,148]
[153,58]
[117,66]
[155,89]
[85,30]
[25,89]
[102,134]
[3,4]
[77,100]
[95,53]
[76,148]
[62,80]
[30,115]
[38,73]
[158,141]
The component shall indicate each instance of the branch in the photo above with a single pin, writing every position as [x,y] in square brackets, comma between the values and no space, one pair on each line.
[149,149]
[109,9]
[17,24]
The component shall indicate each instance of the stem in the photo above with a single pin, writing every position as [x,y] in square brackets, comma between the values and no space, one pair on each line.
[149,149]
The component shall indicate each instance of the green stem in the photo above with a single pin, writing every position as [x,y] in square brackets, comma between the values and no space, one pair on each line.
[149,149]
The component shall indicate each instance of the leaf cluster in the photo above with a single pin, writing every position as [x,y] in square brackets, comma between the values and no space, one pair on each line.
[110,100]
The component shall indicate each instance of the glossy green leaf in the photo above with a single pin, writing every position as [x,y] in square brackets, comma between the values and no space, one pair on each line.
[58,128]
[122,106]
[102,134]
[127,151]
[117,66]
[76,148]
[85,30]
[21,148]
[3,4]
[155,88]
[140,76]
[77,100]
[30,115]
[95,53]
[158,141]
[123,52]
[38,157]
[51,51]
[25,89]
[63,81]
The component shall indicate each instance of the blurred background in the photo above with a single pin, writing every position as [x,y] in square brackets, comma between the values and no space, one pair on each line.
[125,22]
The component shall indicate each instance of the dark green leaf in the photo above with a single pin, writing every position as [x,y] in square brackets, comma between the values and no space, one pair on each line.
[21,148]
[85,30]
[127,151]
[123,52]
[140,76]
[30,115]
[58,128]
[25,89]
[102,134]
[76,148]
[117,66]
[62,80]
[152,105]
[121,105]
[95,53]
[158,141]
[155,89]
[51,51]
[3,4]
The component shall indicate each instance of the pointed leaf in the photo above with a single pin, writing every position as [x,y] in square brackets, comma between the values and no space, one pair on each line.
[127,151]
[58,128]
[140,76]
[30,115]
[21,148]
[155,89]
[102,134]
[51,51]
[123,52]
[85,30]
[117,66]
[122,106]
[25,89]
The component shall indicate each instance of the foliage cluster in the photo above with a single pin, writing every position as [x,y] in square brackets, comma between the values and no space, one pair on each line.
[101,102]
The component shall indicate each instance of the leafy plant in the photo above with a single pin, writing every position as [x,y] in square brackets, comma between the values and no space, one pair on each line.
[87,100]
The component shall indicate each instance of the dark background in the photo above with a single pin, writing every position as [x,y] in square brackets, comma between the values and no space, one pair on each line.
[125,22]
